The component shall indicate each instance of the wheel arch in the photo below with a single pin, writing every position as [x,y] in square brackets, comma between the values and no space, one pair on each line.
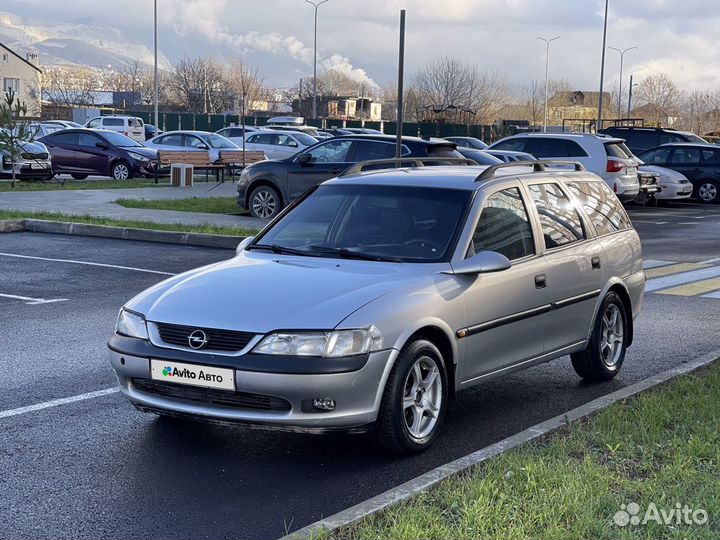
[617,286]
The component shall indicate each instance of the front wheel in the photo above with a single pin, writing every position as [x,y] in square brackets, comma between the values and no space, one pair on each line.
[708,191]
[605,353]
[265,202]
[414,401]
[121,171]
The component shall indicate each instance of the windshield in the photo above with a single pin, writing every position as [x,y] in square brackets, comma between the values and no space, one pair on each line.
[397,223]
[218,141]
[120,140]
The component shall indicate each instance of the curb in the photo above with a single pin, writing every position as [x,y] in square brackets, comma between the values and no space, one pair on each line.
[429,479]
[121,233]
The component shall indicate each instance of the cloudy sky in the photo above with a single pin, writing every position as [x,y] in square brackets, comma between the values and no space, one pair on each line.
[360,36]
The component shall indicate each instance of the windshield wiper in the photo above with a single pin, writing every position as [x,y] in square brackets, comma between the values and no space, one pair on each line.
[350,254]
[275,248]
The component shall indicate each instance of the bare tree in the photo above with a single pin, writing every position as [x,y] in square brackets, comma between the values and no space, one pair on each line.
[535,102]
[662,97]
[448,81]
[70,86]
[245,84]
[199,85]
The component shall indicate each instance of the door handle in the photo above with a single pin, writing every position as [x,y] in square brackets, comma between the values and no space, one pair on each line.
[595,261]
[540,281]
[336,170]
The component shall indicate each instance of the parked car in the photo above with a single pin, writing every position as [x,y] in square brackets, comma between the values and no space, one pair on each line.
[338,132]
[307,130]
[63,123]
[190,141]
[235,133]
[639,139]
[266,188]
[478,156]
[130,126]
[508,156]
[82,152]
[34,162]
[672,186]
[40,129]
[699,163]
[278,145]
[468,142]
[152,131]
[363,131]
[381,295]
[605,156]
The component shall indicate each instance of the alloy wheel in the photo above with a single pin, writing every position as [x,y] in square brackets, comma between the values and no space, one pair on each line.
[422,397]
[612,338]
[264,204]
[120,172]
[708,192]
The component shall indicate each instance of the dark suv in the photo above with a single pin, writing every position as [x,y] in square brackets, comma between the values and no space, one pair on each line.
[700,163]
[642,138]
[266,187]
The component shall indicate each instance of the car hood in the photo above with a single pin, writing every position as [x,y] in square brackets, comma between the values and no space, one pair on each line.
[258,292]
[142,150]
[34,147]
[667,175]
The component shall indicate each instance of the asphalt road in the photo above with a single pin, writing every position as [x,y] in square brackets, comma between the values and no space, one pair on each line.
[99,469]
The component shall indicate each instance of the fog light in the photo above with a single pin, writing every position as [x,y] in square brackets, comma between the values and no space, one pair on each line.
[324,404]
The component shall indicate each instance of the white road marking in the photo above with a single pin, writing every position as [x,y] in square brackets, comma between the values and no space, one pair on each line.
[715,294]
[651,263]
[32,301]
[681,278]
[57,402]
[651,222]
[86,263]
[710,261]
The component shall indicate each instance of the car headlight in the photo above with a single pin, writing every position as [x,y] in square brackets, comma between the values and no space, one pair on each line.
[131,324]
[139,157]
[333,344]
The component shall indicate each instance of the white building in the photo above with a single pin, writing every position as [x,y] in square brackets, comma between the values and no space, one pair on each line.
[21,75]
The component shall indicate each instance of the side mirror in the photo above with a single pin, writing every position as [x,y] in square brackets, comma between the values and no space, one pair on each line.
[101,145]
[203,147]
[243,244]
[304,159]
[482,263]
[293,144]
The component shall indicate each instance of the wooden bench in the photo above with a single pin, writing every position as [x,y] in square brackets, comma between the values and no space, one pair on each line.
[233,159]
[200,159]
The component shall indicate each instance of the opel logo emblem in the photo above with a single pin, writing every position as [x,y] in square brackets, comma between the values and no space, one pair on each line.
[198,339]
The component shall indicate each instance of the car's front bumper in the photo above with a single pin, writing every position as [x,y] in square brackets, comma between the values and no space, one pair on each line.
[674,191]
[29,170]
[356,393]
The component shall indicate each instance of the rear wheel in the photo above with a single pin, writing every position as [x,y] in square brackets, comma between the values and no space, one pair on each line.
[708,191]
[121,171]
[265,202]
[79,176]
[415,399]
[605,353]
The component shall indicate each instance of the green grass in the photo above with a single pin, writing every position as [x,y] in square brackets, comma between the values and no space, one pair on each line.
[26,185]
[662,447]
[206,229]
[212,205]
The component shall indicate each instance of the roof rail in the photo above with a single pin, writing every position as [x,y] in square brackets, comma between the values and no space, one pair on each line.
[538,166]
[405,162]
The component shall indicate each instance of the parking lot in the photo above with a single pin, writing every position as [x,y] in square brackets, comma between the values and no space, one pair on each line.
[93,467]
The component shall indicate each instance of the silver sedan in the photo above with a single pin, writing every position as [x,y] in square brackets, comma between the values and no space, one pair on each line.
[381,294]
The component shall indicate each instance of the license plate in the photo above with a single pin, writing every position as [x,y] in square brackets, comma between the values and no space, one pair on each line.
[686,190]
[37,166]
[632,170]
[192,374]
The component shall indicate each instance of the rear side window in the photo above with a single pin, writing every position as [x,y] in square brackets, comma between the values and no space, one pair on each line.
[561,223]
[367,150]
[504,226]
[618,150]
[171,140]
[685,155]
[601,206]
[65,138]
[551,147]
[511,145]
[659,155]
[113,122]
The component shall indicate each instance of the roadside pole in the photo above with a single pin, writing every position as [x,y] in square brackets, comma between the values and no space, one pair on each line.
[401,68]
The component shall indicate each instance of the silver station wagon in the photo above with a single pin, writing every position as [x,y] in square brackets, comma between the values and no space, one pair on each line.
[374,298]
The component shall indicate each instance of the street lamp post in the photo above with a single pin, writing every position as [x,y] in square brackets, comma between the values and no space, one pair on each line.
[622,56]
[316,5]
[155,84]
[630,95]
[602,69]
[547,71]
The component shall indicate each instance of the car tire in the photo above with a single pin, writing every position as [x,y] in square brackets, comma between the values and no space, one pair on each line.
[121,171]
[413,404]
[264,202]
[79,176]
[708,191]
[605,353]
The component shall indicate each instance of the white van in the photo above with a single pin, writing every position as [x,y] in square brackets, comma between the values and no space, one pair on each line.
[130,126]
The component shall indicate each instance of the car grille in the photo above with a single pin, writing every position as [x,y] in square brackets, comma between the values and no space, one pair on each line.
[39,155]
[218,340]
[211,396]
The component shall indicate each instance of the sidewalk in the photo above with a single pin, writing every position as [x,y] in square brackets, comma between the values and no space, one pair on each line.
[99,203]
